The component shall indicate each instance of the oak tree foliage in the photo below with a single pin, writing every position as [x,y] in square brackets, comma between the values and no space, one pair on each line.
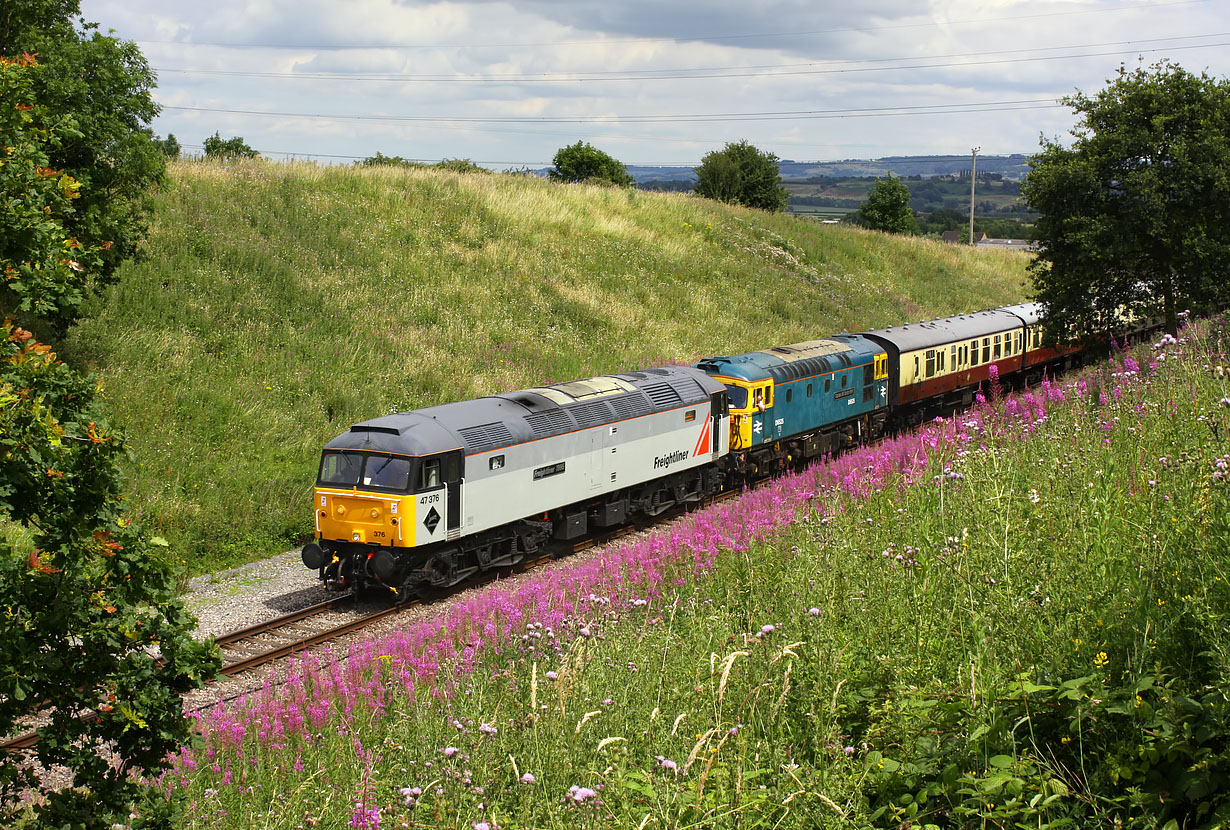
[888,208]
[105,84]
[89,618]
[741,174]
[1136,212]
[228,149]
[582,162]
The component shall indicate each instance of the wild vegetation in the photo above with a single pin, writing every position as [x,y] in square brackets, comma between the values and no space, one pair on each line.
[277,304]
[1013,618]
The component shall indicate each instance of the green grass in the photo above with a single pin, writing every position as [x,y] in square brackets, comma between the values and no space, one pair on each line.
[1014,619]
[276,304]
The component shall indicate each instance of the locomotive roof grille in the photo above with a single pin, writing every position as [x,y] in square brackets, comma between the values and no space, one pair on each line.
[630,406]
[546,424]
[663,395]
[591,414]
[485,436]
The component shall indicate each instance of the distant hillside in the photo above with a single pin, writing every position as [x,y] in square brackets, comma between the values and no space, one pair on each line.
[1012,167]
[277,304]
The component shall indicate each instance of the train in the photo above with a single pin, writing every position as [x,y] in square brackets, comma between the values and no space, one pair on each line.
[418,501]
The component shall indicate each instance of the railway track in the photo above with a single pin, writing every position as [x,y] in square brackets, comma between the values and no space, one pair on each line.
[266,642]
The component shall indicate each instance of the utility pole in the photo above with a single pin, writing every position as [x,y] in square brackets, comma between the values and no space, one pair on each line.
[973,177]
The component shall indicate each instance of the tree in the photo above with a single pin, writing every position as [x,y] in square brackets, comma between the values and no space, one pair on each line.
[1136,213]
[228,149]
[888,208]
[89,617]
[105,84]
[741,174]
[169,146]
[581,162]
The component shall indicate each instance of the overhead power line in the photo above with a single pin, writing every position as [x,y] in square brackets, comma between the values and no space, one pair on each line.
[705,73]
[786,115]
[681,37]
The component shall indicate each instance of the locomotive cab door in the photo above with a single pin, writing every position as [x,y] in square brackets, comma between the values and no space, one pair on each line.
[438,497]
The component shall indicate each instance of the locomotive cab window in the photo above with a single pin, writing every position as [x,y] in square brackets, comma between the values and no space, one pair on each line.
[496,462]
[387,472]
[738,397]
[429,477]
[689,416]
[341,468]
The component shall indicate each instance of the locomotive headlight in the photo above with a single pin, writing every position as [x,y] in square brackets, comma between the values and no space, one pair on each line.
[356,537]
[341,510]
[375,512]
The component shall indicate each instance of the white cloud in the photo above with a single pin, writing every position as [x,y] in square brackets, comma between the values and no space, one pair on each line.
[474,59]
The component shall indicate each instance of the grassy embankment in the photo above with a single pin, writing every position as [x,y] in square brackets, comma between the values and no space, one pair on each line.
[1016,618]
[278,304]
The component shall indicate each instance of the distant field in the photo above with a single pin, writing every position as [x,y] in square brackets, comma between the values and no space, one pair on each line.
[277,304]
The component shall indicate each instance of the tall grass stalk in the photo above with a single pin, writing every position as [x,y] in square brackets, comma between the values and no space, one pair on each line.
[1017,617]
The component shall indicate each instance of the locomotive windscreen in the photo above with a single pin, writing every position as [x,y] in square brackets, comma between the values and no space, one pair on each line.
[349,469]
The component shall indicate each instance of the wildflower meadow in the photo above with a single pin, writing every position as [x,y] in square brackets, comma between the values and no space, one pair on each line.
[1016,617]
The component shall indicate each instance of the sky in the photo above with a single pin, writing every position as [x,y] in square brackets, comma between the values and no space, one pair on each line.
[651,82]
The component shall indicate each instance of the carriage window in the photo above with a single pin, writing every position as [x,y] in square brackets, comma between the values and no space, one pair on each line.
[986,350]
[997,347]
[930,363]
[973,349]
[430,476]
[939,360]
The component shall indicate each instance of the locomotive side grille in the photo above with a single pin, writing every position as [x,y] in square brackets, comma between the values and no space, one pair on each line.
[630,406]
[486,437]
[663,395]
[551,422]
[591,414]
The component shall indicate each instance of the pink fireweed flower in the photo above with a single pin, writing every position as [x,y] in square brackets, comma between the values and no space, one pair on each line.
[527,778]
[449,751]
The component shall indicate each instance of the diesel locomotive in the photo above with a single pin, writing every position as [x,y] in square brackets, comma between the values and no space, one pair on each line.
[424,499]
